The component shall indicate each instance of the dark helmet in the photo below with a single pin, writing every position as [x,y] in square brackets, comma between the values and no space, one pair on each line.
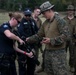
[27,11]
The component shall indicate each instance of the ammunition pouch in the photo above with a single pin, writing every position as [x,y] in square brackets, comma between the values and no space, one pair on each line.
[5,67]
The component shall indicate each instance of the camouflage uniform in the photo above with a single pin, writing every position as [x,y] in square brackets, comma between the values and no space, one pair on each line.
[38,23]
[75,49]
[39,45]
[70,44]
[55,62]
[55,54]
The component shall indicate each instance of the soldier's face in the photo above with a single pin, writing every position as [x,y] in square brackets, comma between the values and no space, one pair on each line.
[47,14]
[70,12]
[27,17]
[37,12]
[14,22]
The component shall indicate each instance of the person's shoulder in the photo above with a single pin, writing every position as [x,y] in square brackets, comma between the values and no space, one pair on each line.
[39,19]
[45,22]
[5,25]
[65,17]
[59,19]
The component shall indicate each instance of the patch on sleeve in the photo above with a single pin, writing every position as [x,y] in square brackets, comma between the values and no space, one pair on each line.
[5,26]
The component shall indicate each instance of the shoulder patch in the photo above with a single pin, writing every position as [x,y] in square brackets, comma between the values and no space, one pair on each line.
[5,26]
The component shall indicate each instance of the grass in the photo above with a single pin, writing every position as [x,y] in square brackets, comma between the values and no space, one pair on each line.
[3,17]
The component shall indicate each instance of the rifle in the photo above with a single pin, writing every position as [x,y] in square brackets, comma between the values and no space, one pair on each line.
[28,49]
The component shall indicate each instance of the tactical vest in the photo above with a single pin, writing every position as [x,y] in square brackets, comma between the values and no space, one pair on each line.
[71,24]
[51,31]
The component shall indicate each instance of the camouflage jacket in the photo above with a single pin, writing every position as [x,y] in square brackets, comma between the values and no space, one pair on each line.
[56,29]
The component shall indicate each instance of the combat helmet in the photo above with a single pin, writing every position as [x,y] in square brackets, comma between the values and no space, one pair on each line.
[70,7]
[46,6]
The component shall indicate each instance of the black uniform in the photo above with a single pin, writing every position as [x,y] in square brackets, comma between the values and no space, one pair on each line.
[7,52]
[26,28]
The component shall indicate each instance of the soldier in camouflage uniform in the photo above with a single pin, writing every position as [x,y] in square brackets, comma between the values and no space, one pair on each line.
[38,47]
[38,21]
[53,33]
[70,44]
[35,16]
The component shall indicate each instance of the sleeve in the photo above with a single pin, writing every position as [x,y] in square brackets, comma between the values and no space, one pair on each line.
[37,37]
[64,33]
[4,27]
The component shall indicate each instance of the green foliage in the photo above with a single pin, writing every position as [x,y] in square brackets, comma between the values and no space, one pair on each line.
[15,5]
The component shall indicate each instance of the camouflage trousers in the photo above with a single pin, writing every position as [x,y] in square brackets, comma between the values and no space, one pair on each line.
[55,62]
[70,46]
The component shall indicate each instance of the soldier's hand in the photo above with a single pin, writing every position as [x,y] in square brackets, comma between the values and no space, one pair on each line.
[21,42]
[45,40]
[27,39]
[30,55]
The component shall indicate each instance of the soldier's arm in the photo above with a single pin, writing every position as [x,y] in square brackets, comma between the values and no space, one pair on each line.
[37,37]
[15,46]
[64,33]
[12,36]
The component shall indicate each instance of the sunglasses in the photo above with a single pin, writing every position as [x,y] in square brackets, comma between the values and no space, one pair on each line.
[17,21]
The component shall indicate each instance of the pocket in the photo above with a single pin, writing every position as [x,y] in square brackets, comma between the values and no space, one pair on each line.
[5,66]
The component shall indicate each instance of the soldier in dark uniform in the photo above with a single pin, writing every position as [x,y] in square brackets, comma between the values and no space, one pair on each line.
[71,22]
[27,28]
[54,32]
[8,47]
